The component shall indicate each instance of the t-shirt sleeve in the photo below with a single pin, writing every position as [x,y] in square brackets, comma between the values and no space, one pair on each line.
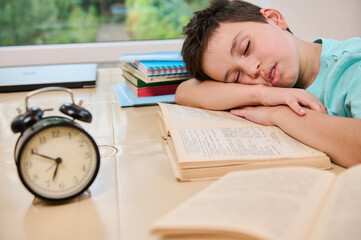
[353,98]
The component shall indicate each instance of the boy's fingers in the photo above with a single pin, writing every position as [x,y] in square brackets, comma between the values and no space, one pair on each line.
[238,112]
[297,108]
[322,108]
[294,104]
[319,108]
[316,105]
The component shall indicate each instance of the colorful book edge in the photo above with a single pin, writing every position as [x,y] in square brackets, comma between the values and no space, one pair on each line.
[133,69]
[151,91]
[141,84]
[126,97]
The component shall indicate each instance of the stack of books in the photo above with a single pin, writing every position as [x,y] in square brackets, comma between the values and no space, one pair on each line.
[152,75]
[153,78]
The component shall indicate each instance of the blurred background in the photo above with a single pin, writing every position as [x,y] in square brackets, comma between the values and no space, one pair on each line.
[37,32]
[35,22]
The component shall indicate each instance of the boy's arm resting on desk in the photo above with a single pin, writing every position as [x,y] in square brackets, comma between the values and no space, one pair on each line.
[338,137]
[215,95]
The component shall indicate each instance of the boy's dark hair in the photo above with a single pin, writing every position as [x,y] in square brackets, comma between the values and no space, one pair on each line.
[203,25]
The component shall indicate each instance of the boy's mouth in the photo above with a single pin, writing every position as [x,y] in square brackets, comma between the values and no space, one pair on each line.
[273,74]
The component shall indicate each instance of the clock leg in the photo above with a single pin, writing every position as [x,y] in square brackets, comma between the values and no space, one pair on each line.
[36,201]
[89,193]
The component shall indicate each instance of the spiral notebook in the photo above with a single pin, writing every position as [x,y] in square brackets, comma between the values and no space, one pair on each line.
[161,68]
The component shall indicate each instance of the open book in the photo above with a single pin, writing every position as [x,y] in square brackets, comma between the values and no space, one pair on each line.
[208,144]
[295,203]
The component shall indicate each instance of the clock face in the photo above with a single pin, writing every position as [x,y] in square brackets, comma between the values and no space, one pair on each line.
[58,162]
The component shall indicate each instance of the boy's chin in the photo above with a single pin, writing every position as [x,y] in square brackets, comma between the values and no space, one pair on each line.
[287,83]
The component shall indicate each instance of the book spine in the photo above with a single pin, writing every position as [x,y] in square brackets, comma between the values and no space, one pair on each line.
[140,83]
[151,91]
[157,90]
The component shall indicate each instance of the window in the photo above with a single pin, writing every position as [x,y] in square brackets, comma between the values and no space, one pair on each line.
[60,31]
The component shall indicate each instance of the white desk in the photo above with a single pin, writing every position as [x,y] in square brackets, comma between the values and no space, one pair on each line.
[134,187]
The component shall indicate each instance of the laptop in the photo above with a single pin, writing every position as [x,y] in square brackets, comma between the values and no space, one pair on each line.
[14,79]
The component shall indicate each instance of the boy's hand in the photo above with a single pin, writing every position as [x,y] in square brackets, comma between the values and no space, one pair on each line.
[293,97]
[259,114]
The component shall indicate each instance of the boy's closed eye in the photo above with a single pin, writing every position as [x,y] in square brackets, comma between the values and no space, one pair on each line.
[239,76]
[247,48]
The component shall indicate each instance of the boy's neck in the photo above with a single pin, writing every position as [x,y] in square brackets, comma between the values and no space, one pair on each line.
[310,54]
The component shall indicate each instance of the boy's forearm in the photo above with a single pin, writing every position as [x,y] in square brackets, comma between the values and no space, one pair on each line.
[337,136]
[217,95]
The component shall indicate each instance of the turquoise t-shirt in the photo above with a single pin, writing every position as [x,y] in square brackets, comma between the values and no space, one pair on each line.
[338,83]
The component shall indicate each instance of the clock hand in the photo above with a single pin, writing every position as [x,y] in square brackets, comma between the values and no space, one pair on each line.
[52,165]
[41,155]
[56,170]
[57,161]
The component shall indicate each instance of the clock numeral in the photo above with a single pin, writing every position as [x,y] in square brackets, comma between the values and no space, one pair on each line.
[34,151]
[72,135]
[83,168]
[42,139]
[82,143]
[75,180]
[61,185]
[88,154]
[48,183]
[55,133]
[35,177]
[28,164]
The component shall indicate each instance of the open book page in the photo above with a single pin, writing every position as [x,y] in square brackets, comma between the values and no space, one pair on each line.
[246,145]
[341,218]
[276,203]
[178,117]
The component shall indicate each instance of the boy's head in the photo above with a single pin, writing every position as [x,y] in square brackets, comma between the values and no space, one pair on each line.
[202,26]
[205,24]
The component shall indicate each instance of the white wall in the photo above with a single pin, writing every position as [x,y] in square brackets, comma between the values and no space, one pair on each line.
[311,19]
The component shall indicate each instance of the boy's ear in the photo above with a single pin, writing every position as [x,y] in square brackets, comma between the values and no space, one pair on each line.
[275,16]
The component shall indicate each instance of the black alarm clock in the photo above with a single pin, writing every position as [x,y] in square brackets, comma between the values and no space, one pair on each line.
[55,157]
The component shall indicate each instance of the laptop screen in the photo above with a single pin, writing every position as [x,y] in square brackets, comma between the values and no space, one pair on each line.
[28,78]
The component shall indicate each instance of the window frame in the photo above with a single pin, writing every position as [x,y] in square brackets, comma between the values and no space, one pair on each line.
[80,52]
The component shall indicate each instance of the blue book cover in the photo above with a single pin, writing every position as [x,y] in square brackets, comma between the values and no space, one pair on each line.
[152,56]
[127,99]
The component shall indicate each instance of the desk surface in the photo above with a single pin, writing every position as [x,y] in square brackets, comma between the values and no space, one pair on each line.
[135,185]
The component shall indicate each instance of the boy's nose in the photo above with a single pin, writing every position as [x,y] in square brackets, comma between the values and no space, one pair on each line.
[253,69]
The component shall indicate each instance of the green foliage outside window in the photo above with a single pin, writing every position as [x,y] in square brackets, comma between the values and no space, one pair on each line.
[32,22]
[159,19]
[28,22]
